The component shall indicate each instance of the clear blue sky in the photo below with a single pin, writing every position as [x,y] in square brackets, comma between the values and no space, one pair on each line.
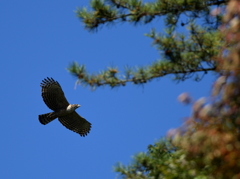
[39,39]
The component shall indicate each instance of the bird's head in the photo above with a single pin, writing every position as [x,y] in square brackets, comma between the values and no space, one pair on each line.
[72,107]
[75,106]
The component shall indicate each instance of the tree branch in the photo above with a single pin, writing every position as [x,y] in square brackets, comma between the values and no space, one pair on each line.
[140,76]
[133,11]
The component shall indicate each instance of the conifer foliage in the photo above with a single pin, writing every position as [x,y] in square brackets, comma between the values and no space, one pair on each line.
[184,55]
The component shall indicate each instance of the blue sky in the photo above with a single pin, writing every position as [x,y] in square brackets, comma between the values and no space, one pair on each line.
[39,39]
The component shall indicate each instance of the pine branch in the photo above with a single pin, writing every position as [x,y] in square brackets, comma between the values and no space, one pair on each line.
[136,11]
[111,77]
[182,57]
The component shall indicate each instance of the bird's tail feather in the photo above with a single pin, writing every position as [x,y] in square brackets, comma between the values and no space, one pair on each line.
[46,118]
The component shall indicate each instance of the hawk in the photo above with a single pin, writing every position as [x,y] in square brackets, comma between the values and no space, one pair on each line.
[54,98]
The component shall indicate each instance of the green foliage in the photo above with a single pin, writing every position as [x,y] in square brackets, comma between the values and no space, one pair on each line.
[182,58]
[139,75]
[162,161]
[137,11]
[145,165]
[182,55]
[193,51]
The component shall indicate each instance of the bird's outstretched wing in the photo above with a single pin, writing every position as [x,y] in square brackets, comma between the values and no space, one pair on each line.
[53,95]
[76,123]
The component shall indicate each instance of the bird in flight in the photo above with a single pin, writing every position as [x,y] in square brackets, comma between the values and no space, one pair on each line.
[54,98]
